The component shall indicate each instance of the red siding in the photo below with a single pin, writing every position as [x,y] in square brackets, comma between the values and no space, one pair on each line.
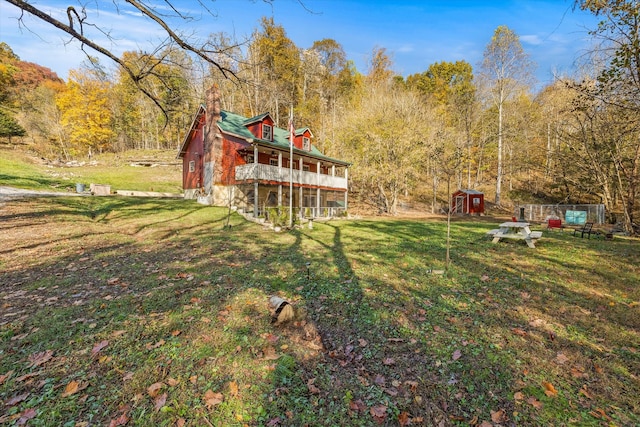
[193,180]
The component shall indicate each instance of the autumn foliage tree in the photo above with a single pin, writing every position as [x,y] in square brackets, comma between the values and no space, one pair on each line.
[85,112]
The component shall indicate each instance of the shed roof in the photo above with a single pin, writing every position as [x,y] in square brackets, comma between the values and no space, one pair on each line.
[469,191]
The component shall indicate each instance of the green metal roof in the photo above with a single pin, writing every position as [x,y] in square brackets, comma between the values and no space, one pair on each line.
[235,124]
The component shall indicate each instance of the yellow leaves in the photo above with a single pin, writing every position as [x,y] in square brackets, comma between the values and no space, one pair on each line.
[73,387]
[233,388]
[549,389]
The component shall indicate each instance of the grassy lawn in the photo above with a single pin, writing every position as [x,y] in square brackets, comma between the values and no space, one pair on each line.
[20,170]
[150,312]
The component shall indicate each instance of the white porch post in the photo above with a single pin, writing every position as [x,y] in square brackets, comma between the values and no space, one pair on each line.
[346,178]
[300,180]
[280,174]
[318,189]
[255,183]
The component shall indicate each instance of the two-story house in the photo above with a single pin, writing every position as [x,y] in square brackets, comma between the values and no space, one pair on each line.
[247,163]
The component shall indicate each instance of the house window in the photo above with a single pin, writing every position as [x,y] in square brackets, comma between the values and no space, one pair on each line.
[305,168]
[273,162]
[267,132]
[192,166]
[250,158]
[306,144]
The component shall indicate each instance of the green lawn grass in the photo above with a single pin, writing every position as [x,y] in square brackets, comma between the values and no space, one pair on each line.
[153,312]
[18,169]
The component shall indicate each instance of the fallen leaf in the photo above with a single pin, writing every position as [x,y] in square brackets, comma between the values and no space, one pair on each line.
[71,388]
[311,387]
[128,376]
[172,382]
[456,355]
[561,359]
[389,361]
[379,380]
[181,422]
[549,389]
[584,391]
[362,342]
[212,399]
[17,399]
[519,332]
[413,385]
[154,389]
[518,395]
[4,377]
[534,402]
[98,347]
[123,419]
[176,333]
[159,401]
[233,388]
[270,353]
[37,359]
[26,416]
[599,413]
[378,412]
[403,419]
[113,281]
[150,346]
[498,416]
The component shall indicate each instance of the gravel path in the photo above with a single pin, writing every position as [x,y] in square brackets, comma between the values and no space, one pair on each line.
[8,193]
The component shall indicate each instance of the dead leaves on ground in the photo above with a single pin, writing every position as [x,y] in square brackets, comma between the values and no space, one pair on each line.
[212,399]
[38,359]
[73,387]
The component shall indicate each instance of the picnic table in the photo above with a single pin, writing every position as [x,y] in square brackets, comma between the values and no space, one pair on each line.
[515,230]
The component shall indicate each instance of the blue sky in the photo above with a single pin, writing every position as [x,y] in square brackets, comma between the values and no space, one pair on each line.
[414,33]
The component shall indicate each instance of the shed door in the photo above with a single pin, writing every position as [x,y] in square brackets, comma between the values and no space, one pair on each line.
[459,208]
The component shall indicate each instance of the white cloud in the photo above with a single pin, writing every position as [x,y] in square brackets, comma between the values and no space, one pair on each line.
[532,39]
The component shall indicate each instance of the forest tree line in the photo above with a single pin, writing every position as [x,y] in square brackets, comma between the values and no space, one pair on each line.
[576,140]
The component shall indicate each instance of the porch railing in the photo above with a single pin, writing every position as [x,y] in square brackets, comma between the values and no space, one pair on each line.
[278,174]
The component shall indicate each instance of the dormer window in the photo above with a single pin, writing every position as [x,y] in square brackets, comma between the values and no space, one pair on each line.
[267,132]
[306,144]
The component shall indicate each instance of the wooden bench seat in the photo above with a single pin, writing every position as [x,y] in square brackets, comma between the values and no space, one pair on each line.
[533,235]
[494,231]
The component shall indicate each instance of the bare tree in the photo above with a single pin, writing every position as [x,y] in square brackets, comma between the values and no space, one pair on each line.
[505,70]
[81,28]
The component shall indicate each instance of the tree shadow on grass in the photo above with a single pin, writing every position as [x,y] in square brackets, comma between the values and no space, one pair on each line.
[181,301]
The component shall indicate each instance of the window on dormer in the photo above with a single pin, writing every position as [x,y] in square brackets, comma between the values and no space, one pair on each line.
[267,132]
[306,144]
